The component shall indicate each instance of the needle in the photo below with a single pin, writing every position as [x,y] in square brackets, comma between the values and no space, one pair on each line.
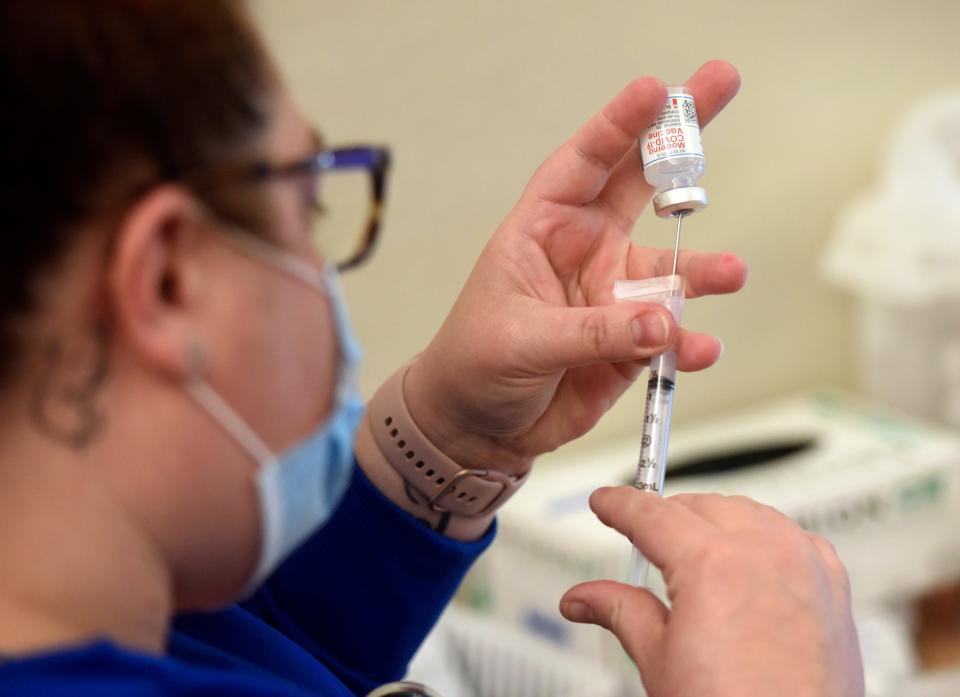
[676,248]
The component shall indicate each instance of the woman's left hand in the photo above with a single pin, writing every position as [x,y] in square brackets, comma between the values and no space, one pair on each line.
[535,350]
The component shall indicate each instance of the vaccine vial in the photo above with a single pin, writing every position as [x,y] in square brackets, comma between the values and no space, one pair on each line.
[673,157]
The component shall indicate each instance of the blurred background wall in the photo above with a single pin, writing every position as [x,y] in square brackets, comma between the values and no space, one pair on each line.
[472,96]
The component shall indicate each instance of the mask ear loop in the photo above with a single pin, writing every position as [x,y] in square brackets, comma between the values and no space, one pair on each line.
[289,264]
[252,245]
[221,412]
[326,282]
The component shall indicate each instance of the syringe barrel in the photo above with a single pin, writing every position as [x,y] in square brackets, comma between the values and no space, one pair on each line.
[652,464]
[652,467]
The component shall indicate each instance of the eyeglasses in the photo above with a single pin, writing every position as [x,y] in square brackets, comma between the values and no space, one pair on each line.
[345,189]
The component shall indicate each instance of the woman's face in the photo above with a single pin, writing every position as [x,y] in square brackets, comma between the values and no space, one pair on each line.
[271,352]
[278,365]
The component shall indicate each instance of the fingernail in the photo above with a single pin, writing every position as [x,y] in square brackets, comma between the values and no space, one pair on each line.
[651,329]
[722,349]
[577,611]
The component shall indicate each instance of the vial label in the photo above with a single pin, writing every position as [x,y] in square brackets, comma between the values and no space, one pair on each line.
[676,132]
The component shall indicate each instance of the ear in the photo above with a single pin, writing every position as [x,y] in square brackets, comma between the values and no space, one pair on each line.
[154,277]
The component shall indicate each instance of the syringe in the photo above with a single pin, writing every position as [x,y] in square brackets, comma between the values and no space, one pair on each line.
[673,163]
[651,468]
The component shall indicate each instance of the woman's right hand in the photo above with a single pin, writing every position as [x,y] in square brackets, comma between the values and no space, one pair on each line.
[759,607]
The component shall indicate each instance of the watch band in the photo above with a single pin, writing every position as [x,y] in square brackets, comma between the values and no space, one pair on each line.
[448,487]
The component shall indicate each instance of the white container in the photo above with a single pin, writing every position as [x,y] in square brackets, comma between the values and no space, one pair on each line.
[897,250]
[469,654]
[884,489]
[943,683]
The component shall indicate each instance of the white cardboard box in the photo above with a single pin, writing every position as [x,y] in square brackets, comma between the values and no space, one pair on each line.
[471,655]
[883,488]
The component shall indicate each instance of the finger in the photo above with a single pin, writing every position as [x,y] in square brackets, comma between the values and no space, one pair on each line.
[705,273]
[587,392]
[736,513]
[713,85]
[696,351]
[763,527]
[561,338]
[576,172]
[634,615]
[664,531]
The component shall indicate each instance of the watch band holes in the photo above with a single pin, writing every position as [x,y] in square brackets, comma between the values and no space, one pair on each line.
[472,499]
[441,480]
[410,454]
[461,494]
[393,433]
[401,444]
[389,420]
[419,464]
[429,473]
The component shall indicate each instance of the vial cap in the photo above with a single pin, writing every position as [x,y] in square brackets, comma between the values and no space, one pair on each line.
[686,200]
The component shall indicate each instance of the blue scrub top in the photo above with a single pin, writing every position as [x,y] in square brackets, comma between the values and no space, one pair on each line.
[344,614]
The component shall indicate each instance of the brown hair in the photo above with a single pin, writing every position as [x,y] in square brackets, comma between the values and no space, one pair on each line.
[101,93]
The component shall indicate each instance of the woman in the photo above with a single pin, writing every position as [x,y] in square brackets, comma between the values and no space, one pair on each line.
[195,501]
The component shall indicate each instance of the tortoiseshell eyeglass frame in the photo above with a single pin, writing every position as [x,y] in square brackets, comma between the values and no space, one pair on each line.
[376,162]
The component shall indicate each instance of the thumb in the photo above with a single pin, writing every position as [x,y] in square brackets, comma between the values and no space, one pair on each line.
[569,337]
[634,615]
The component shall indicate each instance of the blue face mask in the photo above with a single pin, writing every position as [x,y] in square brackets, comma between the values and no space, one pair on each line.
[301,487]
